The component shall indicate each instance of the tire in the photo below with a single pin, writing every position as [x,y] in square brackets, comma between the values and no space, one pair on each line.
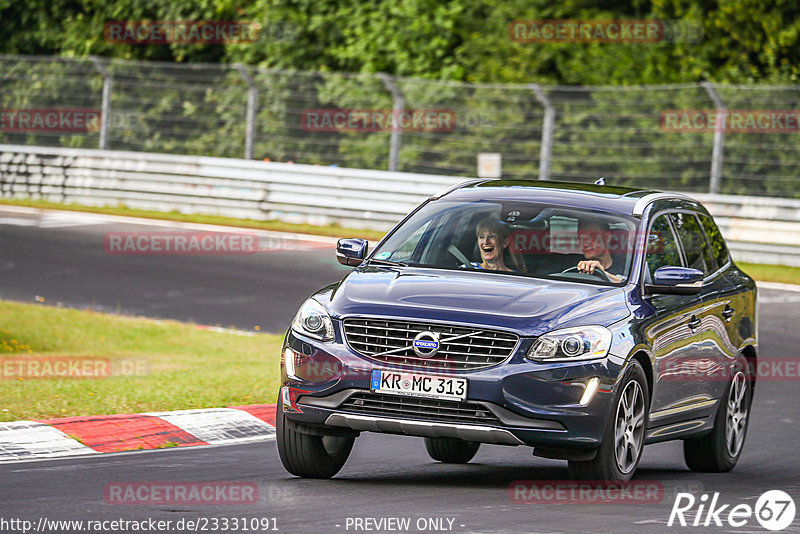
[451,450]
[626,427]
[306,455]
[718,451]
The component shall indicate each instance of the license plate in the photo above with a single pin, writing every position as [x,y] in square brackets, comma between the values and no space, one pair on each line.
[414,385]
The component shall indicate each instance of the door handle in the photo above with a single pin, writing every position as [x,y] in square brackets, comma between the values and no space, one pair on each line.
[728,312]
[694,322]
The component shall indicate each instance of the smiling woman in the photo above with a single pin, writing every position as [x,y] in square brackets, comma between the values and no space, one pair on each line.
[493,240]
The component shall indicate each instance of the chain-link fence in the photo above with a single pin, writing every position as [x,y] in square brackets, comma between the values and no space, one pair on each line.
[662,136]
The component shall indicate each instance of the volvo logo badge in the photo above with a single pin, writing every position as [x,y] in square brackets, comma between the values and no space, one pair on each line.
[426,344]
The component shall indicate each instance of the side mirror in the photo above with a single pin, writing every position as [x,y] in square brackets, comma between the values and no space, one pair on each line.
[670,280]
[351,251]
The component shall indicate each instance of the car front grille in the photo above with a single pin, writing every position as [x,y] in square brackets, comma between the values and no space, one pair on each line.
[461,348]
[447,411]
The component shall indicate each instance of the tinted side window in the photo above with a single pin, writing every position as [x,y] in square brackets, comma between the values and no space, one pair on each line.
[693,241]
[662,249]
[718,248]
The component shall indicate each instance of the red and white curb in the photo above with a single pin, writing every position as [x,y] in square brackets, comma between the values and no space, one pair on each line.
[87,435]
[23,440]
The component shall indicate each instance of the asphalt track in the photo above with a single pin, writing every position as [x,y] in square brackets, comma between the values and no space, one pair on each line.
[386,476]
[62,258]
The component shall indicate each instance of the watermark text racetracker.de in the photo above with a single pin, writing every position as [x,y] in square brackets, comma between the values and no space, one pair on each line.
[180,31]
[378,120]
[764,121]
[585,491]
[69,367]
[565,242]
[763,369]
[200,243]
[605,31]
[181,493]
[50,120]
[210,32]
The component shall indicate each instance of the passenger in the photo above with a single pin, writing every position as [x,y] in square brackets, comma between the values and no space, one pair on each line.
[592,235]
[493,239]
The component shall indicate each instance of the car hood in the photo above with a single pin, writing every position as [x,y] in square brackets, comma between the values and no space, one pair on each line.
[528,306]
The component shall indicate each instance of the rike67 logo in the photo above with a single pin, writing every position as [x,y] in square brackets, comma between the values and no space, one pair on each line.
[774,510]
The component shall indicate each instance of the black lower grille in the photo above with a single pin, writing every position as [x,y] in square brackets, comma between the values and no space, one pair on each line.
[445,411]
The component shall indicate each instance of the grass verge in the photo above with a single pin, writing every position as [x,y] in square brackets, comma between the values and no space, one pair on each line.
[156,365]
[332,230]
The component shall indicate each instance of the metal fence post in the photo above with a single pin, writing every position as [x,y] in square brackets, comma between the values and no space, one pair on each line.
[719,138]
[105,111]
[252,108]
[397,110]
[547,131]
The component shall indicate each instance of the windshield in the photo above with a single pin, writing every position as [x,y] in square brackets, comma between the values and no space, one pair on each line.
[521,238]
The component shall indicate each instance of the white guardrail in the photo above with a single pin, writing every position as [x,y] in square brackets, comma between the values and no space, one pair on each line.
[758,229]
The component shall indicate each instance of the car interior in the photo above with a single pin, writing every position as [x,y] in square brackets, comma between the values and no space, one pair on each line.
[542,241]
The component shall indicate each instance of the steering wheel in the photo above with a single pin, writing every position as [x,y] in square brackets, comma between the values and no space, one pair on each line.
[597,272]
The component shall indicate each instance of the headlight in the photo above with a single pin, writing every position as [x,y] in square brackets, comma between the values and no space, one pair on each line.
[570,344]
[313,320]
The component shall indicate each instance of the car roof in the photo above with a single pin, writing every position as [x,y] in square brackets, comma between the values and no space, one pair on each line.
[613,199]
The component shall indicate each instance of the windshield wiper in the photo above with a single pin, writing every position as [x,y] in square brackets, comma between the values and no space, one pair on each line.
[388,262]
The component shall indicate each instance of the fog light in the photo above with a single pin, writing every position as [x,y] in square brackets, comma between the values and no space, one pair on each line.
[591,389]
[289,397]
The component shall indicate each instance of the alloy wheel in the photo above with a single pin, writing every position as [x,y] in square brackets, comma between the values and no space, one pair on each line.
[629,427]
[736,418]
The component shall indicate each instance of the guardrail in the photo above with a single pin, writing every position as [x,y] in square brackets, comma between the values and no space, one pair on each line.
[758,229]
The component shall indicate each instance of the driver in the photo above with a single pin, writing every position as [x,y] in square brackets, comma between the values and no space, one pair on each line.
[493,239]
[592,234]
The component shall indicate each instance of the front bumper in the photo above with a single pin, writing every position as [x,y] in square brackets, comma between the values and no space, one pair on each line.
[527,403]
[427,429]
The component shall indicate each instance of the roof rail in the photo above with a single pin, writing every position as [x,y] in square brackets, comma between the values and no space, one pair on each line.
[642,203]
[448,190]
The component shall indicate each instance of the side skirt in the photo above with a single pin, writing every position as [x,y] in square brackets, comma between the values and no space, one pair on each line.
[693,428]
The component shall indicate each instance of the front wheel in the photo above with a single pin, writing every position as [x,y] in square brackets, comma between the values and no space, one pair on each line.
[623,439]
[306,455]
[719,451]
[451,450]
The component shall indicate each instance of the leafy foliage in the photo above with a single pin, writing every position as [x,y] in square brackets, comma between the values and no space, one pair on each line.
[325,54]
[744,41]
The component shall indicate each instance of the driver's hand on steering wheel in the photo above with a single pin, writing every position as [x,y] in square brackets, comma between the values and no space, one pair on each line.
[588,266]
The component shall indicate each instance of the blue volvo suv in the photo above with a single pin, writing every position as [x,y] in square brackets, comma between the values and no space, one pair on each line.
[584,321]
